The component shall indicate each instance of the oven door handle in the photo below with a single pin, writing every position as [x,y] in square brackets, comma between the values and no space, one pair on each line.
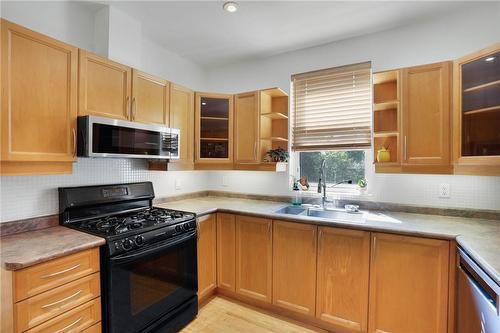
[155,248]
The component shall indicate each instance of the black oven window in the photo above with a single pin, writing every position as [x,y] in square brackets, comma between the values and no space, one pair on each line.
[153,281]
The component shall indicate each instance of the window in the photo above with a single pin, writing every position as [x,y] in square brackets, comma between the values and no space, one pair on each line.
[340,166]
[332,116]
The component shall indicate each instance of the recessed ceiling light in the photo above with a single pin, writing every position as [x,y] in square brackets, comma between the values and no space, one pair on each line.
[490,59]
[230,6]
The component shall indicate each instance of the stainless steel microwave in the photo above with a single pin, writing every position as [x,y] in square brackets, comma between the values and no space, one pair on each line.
[106,137]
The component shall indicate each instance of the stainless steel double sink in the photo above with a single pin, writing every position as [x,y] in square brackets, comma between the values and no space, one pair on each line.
[333,214]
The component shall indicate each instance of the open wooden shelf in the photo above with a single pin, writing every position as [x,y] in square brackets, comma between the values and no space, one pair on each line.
[482,110]
[275,115]
[214,118]
[388,105]
[482,86]
[385,133]
[214,139]
[275,138]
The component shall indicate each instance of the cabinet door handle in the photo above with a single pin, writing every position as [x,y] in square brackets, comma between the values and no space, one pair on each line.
[269,229]
[405,148]
[60,272]
[320,236]
[65,299]
[74,142]
[69,326]
[314,236]
[134,108]
[127,103]
[255,150]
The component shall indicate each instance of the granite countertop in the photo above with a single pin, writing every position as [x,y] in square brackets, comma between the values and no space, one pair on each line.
[479,237]
[29,248]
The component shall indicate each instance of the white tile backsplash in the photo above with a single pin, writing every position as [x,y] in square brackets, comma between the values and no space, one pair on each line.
[30,196]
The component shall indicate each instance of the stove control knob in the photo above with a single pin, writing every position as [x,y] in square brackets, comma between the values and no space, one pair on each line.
[127,244]
[185,226]
[178,228]
[139,240]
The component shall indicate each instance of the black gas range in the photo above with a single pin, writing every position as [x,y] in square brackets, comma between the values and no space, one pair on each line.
[149,263]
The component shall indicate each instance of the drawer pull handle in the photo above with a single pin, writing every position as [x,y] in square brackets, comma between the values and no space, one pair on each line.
[61,272]
[69,326]
[62,300]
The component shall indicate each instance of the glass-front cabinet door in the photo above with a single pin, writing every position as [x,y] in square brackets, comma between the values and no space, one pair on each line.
[477,112]
[214,128]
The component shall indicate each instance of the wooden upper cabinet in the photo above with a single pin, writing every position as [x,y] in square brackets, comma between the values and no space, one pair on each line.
[226,248]
[150,99]
[408,284]
[294,266]
[104,87]
[246,127]
[213,131]
[254,257]
[476,115]
[207,265]
[343,274]
[182,118]
[426,115]
[39,100]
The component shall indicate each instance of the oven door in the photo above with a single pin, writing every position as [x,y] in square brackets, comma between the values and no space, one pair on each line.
[145,285]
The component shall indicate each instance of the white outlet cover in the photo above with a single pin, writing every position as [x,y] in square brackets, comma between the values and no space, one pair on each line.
[177,184]
[444,190]
[224,181]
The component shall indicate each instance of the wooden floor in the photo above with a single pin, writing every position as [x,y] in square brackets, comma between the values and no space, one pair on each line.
[221,315]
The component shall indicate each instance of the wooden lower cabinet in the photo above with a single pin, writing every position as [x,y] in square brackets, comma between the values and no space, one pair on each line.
[342,278]
[294,266]
[60,295]
[207,264]
[226,248]
[254,257]
[408,284]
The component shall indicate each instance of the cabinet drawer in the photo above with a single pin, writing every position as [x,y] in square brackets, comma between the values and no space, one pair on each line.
[96,328]
[40,308]
[81,318]
[51,274]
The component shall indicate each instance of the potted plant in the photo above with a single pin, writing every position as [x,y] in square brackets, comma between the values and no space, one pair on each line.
[362,184]
[278,155]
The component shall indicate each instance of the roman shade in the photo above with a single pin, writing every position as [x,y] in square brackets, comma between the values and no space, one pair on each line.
[332,108]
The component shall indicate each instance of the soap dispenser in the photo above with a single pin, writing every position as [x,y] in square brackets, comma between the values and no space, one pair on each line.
[297,194]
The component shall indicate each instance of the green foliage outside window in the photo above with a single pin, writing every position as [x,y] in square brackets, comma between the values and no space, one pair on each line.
[340,165]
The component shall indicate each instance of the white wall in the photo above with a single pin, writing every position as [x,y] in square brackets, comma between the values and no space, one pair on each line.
[437,39]
[69,22]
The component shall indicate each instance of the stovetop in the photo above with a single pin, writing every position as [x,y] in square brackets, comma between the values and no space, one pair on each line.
[131,223]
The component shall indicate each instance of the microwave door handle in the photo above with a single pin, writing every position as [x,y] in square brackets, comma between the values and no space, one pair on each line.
[164,245]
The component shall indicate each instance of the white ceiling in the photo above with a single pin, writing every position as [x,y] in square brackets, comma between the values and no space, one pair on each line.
[202,32]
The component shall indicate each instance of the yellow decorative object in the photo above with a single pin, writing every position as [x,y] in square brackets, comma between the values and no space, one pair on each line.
[383,155]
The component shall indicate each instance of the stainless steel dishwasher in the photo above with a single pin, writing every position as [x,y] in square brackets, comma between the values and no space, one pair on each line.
[478,298]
